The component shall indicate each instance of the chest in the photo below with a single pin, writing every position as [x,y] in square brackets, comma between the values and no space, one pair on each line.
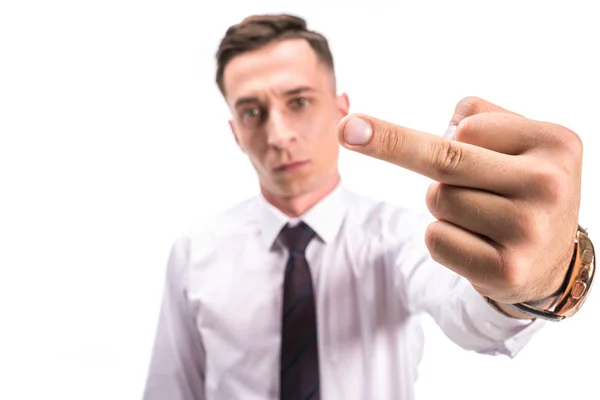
[237,293]
[237,297]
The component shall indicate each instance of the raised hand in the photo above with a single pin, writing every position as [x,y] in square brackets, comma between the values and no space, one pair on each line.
[506,196]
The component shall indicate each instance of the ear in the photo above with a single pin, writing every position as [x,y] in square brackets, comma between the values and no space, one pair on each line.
[233,131]
[343,104]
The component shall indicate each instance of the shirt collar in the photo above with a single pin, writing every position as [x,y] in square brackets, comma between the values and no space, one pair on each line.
[325,217]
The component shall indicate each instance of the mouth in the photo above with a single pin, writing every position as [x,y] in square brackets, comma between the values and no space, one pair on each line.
[289,167]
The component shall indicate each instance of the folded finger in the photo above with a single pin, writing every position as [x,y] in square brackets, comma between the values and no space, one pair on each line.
[483,213]
[465,253]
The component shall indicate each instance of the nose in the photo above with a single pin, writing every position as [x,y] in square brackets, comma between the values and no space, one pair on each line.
[280,132]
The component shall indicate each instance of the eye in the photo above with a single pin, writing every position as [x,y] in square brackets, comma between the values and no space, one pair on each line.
[252,116]
[251,112]
[300,102]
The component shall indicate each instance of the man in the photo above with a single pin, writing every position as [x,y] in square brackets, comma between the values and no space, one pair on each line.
[310,291]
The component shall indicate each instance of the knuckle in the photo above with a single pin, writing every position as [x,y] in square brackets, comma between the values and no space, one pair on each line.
[390,143]
[571,141]
[514,274]
[576,144]
[549,183]
[527,225]
[564,139]
[468,106]
[470,101]
[447,158]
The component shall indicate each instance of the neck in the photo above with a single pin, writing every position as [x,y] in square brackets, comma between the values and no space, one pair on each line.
[294,206]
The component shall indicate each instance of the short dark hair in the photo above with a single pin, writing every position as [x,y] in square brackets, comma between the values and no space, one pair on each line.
[256,31]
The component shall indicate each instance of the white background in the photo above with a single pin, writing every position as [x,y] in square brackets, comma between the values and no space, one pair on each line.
[113,137]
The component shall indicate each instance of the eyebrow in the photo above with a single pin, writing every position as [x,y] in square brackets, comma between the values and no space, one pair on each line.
[290,92]
[245,100]
[298,90]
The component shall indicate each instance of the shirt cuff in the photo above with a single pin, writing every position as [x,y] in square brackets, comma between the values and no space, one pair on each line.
[511,334]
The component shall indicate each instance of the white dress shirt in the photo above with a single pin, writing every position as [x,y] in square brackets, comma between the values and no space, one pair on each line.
[219,327]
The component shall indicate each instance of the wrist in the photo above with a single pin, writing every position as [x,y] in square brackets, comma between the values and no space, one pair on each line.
[573,291]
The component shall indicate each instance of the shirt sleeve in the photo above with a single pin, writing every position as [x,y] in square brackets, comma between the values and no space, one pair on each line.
[457,308]
[176,369]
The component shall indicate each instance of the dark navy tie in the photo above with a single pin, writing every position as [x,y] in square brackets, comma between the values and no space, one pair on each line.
[299,355]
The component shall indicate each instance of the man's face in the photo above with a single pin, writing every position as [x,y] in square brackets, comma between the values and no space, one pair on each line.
[285,111]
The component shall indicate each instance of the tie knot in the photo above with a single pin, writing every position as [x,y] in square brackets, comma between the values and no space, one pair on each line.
[297,238]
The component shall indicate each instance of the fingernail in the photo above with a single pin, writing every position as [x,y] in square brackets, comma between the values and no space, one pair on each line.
[357,131]
[450,132]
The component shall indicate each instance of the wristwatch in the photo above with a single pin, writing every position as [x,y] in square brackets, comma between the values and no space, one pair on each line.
[577,284]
